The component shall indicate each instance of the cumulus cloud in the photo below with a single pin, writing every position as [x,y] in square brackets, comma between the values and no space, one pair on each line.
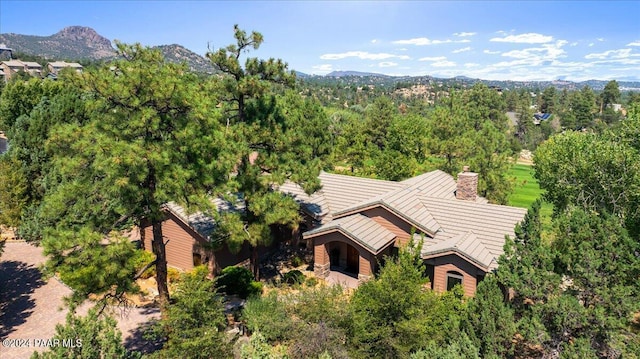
[635,43]
[363,55]
[491,52]
[471,64]
[545,53]
[464,34]
[438,58]
[528,38]
[387,64]
[611,54]
[374,41]
[461,50]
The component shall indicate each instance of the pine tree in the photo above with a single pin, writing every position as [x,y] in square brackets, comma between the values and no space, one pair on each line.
[270,146]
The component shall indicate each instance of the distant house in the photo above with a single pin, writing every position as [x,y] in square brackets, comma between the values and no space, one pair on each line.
[3,143]
[55,67]
[538,118]
[352,223]
[12,67]
[33,68]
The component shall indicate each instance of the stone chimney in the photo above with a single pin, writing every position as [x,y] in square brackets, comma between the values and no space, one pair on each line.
[467,188]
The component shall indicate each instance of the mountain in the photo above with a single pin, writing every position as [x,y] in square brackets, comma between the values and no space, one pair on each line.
[353,73]
[178,54]
[84,43]
[70,43]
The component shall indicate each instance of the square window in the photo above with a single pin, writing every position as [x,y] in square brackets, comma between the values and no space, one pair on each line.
[453,279]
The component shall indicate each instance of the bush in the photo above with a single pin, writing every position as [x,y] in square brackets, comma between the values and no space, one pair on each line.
[238,281]
[311,281]
[173,274]
[141,259]
[293,277]
[268,315]
[296,261]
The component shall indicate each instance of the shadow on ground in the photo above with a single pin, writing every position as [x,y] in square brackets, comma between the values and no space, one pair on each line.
[142,339]
[18,281]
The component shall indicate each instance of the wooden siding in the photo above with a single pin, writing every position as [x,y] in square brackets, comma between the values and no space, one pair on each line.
[453,263]
[180,244]
[392,223]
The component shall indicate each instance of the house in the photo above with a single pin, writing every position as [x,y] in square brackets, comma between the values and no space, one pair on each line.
[11,67]
[352,223]
[188,239]
[33,68]
[56,66]
[539,117]
[3,143]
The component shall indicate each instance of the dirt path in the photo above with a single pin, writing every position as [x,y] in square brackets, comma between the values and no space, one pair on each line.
[30,307]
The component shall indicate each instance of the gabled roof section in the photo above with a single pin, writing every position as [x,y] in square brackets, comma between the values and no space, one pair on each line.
[433,184]
[338,192]
[465,245]
[489,222]
[363,230]
[404,203]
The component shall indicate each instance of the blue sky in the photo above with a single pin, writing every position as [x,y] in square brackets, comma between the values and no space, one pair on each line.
[504,40]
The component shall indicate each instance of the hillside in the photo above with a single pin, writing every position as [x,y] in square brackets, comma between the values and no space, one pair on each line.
[84,43]
[70,43]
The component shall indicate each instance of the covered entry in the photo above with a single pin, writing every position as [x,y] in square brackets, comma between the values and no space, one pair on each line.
[351,245]
[343,257]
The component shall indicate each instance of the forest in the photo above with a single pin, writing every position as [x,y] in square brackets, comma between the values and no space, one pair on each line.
[95,154]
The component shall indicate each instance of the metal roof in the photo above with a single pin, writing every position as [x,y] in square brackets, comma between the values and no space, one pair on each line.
[361,229]
[473,230]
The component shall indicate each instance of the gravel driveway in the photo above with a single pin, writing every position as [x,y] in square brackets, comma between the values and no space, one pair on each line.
[30,307]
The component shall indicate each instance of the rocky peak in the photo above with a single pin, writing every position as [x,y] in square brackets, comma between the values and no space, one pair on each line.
[82,33]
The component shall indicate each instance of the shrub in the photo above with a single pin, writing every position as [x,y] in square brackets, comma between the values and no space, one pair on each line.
[311,281]
[268,315]
[238,281]
[293,277]
[296,261]
[141,259]
[173,274]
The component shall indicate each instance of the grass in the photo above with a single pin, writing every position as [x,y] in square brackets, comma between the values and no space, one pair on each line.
[526,191]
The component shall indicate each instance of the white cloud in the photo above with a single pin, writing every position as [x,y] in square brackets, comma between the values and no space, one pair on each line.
[461,50]
[471,64]
[491,52]
[528,38]
[422,41]
[601,39]
[575,43]
[611,54]
[387,64]
[464,34]
[635,43]
[322,69]
[419,41]
[438,58]
[443,64]
[591,44]
[547,52]
[363,55]
[374,41]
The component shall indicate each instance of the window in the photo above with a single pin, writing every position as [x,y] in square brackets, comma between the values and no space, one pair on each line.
[453,278]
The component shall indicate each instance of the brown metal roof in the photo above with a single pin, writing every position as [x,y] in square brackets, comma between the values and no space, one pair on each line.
[489,222]
[466,245]
[405,203]
[473,230]
[361,229]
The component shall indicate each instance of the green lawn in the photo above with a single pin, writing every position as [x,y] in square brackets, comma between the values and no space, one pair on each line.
[526,191]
